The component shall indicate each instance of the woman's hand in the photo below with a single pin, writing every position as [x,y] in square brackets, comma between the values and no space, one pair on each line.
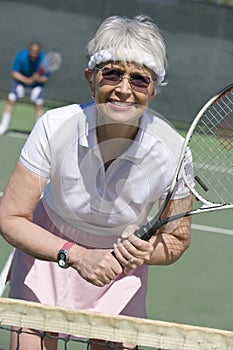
[130,250]
[97,266]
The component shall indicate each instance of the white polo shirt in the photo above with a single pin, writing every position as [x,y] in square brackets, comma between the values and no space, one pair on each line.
[63,148]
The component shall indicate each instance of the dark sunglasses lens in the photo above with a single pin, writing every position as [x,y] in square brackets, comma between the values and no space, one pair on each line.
[115,75]
[111,74]
[140,80]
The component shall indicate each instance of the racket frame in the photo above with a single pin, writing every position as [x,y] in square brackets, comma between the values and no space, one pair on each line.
[145,232]
[45,65]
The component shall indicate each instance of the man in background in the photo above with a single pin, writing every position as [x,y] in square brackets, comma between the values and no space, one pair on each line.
[27,74]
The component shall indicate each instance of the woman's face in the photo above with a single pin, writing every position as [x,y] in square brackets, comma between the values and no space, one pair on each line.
[122,91]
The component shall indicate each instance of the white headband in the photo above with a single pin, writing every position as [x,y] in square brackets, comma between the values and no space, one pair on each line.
[145,60]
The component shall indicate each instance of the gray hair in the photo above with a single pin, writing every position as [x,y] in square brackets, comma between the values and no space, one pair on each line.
[136,40]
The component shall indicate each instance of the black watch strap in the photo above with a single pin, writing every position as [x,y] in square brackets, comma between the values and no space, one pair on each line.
[63,255]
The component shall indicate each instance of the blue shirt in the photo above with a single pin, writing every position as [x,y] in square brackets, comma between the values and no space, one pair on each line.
[24,65]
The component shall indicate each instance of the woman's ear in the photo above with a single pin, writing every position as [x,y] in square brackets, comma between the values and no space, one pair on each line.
[153,94]
[89,75]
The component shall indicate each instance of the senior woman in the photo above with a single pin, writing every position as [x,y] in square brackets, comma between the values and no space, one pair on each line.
[88,176]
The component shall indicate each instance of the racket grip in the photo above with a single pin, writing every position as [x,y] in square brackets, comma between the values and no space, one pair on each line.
[145,232]
[112,252]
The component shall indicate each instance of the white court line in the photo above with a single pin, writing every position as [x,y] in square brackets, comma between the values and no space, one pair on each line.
[4,273]
[212,229]
[18,135]
[214,168]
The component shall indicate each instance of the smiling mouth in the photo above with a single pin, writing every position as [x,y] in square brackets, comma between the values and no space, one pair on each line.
[121,104]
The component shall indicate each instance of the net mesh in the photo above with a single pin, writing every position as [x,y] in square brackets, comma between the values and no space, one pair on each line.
[65,323]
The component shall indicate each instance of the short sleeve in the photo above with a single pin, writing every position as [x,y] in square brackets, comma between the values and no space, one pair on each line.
[42,145]
[17,63]
[35,154]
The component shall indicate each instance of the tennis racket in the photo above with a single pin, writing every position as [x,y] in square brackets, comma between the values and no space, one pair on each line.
[51,62]
[208,145]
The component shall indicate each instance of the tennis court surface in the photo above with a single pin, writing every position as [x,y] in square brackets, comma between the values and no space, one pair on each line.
[196,291]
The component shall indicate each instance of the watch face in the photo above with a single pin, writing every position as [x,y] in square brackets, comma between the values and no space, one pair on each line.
[62,259]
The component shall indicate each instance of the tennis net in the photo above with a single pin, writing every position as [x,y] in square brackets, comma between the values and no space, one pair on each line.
[113,329]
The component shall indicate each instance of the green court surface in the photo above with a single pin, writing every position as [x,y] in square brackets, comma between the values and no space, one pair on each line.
[196,290]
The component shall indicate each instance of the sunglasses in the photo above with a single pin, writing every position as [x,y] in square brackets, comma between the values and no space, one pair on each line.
[114,76]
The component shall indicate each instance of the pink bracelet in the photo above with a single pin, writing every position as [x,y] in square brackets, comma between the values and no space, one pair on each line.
[67,246]
[63,255]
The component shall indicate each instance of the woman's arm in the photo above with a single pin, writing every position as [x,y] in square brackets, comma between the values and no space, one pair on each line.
[18,203]
[174,238]
[16,211]
[165,247]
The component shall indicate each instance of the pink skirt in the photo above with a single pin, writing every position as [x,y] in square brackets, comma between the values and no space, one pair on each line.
[45,282]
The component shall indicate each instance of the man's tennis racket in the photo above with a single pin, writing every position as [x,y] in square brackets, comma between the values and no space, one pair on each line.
[210,140]
[51,62]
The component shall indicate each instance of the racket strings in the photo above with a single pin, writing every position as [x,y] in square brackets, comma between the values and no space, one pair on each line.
[212,151]
[225,130]
[52,61]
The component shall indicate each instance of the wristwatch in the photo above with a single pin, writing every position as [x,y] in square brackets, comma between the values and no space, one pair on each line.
[63,255]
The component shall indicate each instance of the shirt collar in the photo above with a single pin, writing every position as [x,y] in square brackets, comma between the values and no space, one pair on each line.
[87,135]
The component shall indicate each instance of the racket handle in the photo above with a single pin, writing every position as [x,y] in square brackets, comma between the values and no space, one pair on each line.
[112,252]
[145,232]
